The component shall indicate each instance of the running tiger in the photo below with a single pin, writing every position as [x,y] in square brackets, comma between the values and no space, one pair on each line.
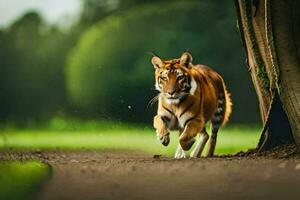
[190,96]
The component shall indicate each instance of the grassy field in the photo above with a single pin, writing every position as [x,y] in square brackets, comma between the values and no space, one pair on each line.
[20,180]
[61,134]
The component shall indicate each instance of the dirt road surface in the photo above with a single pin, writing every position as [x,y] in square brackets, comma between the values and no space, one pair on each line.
[115,175]
[88,175]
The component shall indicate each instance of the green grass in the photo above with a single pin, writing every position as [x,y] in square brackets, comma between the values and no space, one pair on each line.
[116,136]
[20,180]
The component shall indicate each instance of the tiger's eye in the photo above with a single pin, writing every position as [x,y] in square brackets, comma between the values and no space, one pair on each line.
[180,77]
[163,78]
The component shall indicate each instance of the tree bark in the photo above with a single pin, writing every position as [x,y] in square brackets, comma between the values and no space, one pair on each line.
[270,33]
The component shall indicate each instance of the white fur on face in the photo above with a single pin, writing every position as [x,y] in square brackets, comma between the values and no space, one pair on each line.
[193,86]
[172,101]
[157,87]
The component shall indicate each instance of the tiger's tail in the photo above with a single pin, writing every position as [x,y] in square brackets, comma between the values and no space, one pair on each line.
[227,106]
[224,106]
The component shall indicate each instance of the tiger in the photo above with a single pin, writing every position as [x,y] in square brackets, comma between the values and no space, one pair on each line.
[190,96]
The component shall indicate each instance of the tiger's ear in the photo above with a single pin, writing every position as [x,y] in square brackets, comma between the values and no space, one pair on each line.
[157,62]
[186,59]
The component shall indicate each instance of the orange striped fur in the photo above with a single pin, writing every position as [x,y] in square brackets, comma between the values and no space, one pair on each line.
[190,96]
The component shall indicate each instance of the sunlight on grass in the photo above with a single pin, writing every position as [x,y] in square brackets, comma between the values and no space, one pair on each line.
[20,180]
[230,140]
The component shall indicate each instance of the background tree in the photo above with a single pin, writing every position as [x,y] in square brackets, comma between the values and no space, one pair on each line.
[32,76]
[270,32]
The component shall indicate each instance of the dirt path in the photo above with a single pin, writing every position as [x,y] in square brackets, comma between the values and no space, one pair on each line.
[98,175]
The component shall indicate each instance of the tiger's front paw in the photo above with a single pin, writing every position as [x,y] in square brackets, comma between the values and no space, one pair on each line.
[164,139]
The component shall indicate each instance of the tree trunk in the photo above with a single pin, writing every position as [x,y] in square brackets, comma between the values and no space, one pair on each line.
[270,33]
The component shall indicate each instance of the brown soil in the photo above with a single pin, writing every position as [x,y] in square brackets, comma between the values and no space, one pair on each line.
[116,175]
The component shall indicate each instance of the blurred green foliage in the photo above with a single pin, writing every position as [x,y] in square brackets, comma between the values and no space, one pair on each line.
[109,71]
[100,67]
[21,180]
[32,62]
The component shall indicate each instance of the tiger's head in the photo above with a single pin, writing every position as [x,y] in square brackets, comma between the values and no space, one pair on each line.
[173,79]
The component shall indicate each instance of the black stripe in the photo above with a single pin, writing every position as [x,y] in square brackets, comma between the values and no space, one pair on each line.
[165,119]
[215,129]
[188,81]
[167,110]
[187,89]
[188,107]
[188,120]
[182,99]
[219,112]
[214,134]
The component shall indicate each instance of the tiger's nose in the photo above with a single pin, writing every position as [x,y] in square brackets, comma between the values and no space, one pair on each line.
[172,92]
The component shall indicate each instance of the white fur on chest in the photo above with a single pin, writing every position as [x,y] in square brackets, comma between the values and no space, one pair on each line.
[182,119]
[172,101]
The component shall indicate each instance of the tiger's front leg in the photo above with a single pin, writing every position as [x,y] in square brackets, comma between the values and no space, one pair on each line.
[161,130]
[187,138]
[180,153]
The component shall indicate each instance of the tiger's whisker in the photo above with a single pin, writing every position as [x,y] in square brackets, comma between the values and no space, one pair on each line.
[152,101]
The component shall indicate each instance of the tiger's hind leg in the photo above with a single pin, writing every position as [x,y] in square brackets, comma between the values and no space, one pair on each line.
[196,153]
[213,140]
